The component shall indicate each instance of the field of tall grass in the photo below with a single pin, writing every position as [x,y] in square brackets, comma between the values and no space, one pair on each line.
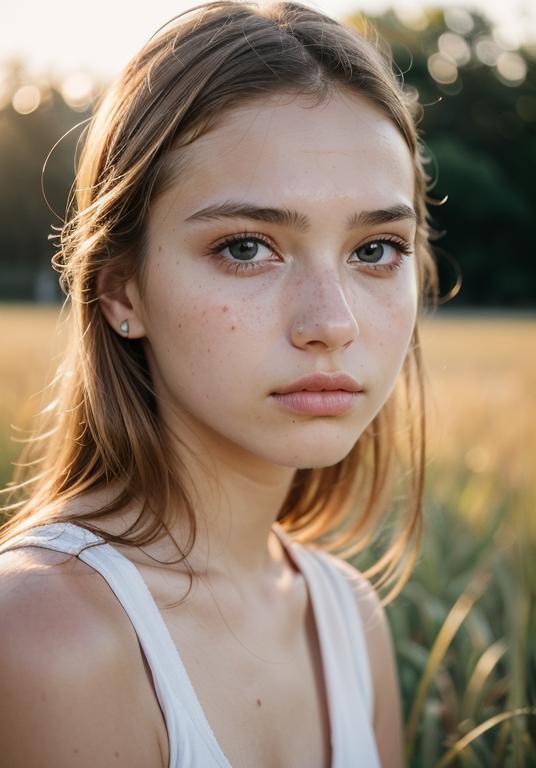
[465,625]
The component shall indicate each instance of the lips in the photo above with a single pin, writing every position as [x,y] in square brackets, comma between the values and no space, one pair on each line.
[320,394]
[319,382]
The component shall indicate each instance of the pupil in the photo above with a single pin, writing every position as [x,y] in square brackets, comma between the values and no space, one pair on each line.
[243,249]
[372,256]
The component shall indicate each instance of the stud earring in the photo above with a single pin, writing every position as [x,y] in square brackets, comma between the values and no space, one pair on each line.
[124,327]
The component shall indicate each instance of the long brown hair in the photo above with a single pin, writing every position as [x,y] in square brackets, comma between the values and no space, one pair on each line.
[102,425]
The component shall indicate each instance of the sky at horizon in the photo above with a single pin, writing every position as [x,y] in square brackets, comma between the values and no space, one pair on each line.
[58,36]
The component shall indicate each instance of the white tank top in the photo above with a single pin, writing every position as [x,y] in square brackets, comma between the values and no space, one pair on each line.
[192,743]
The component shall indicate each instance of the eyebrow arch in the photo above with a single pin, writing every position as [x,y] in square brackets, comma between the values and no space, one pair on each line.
[295,220]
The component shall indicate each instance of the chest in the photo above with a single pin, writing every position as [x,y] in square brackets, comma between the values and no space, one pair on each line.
[259,683]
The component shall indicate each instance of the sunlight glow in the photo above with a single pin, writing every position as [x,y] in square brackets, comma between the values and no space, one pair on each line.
[412,17]
[77,90]
[100,37]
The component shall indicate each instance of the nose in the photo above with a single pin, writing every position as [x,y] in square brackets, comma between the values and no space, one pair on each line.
[324,318]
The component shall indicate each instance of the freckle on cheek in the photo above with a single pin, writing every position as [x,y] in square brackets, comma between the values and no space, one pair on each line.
[233,327]
[225,308]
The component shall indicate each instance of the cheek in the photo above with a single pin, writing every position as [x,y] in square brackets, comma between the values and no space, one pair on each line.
[387,327]
[199,339]
[209,324]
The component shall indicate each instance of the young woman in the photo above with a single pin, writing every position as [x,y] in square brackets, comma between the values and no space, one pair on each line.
[246,260]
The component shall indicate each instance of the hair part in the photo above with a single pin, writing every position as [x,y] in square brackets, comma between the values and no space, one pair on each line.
[103,425]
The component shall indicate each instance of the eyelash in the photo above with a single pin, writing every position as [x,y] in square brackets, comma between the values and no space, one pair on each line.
[214,251]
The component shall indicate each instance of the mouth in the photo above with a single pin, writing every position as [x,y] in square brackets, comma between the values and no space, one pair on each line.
[321,393]
[322,381]
[331,402]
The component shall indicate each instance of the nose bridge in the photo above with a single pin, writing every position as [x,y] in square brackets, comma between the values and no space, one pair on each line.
[327,290]
[322,309]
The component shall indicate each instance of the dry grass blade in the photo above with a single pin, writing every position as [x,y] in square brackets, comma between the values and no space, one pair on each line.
[460,745]
[452,623]
[482,671]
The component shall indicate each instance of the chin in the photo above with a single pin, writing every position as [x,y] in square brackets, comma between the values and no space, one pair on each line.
[312,454]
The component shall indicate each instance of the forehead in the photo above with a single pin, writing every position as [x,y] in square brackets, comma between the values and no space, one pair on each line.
[284,145]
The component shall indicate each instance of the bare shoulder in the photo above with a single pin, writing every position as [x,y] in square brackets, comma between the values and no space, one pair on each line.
[68,692]
[382,660]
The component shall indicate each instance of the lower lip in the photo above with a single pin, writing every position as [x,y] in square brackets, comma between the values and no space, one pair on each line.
[318,403]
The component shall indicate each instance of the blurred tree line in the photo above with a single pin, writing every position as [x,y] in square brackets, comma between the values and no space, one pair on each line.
[478,92]
[479,126]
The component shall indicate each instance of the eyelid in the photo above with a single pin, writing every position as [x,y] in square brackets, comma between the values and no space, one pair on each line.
[228,239]
[404,244]
[242,236]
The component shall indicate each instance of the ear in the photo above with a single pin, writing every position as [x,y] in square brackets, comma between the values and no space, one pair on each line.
[119,301]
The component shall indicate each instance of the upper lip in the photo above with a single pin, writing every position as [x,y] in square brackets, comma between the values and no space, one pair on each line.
[316,382]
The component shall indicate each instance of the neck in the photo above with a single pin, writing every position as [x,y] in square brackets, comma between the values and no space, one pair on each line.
[234,508]
[235,511]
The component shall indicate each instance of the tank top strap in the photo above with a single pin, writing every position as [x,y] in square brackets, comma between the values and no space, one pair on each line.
[344,653]
[60,536]
[172,684]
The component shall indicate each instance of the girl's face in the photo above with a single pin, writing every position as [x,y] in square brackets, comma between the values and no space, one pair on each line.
[236,308]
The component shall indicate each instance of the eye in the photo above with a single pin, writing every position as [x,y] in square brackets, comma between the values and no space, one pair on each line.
[374,251]
[242,250]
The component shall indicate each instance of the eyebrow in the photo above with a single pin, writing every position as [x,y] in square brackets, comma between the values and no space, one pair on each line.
[295,220]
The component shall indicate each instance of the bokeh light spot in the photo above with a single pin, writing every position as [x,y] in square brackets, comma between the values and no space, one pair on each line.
[77,90]
[487,50]
[26,99]
[512,68]
[442,68]
[454,47]
[458,20]
[412,17]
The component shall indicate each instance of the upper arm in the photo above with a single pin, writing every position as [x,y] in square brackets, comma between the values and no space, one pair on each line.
[68,696]
[387,719]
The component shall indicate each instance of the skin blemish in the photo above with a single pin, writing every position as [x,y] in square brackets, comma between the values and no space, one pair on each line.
[233,327]
[225,308]
[258,702]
